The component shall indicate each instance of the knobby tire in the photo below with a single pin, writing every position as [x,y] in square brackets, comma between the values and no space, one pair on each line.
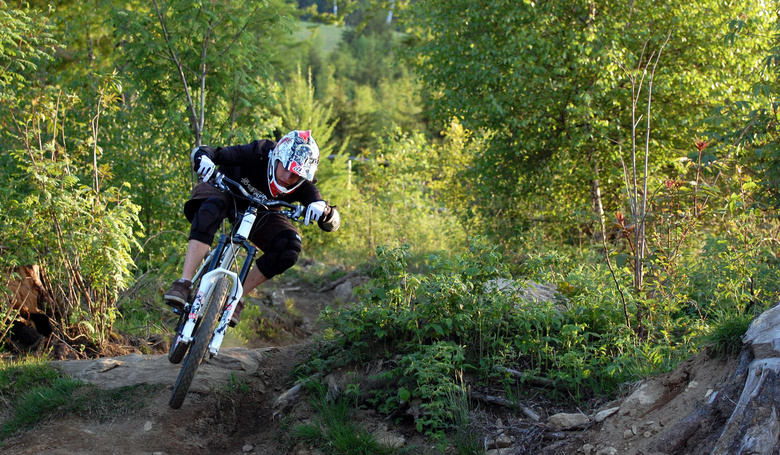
[201,344]
[178,349]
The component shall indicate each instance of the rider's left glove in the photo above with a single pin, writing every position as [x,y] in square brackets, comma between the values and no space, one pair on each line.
[205,168]
[314,212]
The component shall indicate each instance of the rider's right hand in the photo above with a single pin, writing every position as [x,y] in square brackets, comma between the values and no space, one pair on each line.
[205,168]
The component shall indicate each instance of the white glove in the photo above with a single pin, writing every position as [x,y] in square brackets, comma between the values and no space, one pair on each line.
[314,211]
[206,168]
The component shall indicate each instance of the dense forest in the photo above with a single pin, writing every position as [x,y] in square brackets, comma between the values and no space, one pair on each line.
[625,155]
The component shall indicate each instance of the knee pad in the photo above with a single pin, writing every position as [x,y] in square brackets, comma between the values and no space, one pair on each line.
[281,254]
[207,219]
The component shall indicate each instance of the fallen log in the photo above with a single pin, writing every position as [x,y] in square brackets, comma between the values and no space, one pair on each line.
[532,380]
[490,399]
[678,436]
[333,284]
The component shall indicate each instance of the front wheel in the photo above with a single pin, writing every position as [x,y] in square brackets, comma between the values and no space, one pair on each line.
[202,339]
[178,347]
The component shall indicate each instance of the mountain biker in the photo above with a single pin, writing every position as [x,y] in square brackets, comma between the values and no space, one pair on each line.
[284,171]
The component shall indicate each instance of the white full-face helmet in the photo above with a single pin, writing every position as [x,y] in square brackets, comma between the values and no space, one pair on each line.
[298,153]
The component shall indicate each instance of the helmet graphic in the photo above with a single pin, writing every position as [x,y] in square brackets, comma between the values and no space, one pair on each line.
[298,153]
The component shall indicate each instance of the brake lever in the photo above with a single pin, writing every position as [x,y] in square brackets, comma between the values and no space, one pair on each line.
[218,181]
[296,213]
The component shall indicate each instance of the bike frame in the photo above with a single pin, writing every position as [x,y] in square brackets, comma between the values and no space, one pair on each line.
[190,343]
[219,263]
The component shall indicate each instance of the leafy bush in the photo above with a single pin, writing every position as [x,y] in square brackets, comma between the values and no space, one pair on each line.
[453,321]
[388,199]
[80,234]
[431,373]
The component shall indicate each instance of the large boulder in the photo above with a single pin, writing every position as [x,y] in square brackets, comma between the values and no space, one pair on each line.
[754,426]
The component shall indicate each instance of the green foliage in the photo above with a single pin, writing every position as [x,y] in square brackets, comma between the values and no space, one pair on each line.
[465,439]
[16,378]
[753,141]
[453,319]
[235,387]
[34,391]
[432,372]
[550,78]
[369,91]
[740,273]
[80,234]
[458,319]
[537,106]
[140,312]
[26,44]
[388,199]
[25,39]
[39,405]
[321,36]
[328,12]
[335,432]
[193,73]
[300,110]
[250,326]
[217,54]
[726,337]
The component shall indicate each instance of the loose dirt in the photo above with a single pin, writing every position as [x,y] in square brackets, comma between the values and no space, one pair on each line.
[233,406]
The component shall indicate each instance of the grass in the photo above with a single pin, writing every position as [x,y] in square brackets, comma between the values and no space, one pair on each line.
[333,430]
[39,404]
[328,35]
[726,337]
[32,391]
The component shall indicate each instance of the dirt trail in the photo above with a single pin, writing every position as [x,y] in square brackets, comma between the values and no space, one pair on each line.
[208,422]
[213,420]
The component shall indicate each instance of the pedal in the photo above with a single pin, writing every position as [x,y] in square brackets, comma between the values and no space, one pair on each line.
[178,310]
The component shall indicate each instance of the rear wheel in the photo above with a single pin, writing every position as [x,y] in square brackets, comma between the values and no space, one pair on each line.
[201,344]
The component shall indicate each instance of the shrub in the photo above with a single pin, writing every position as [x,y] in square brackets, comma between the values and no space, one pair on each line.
[81,234]
[451,321]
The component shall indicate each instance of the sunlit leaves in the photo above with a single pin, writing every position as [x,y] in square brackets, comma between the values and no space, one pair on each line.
[207,61]
[545,76]
[25,38]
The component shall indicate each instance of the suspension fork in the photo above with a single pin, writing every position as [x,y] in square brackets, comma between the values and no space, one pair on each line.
[235,294]
[217,256]
[250,256]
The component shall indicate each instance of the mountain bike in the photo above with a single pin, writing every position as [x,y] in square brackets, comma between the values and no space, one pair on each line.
[204,321]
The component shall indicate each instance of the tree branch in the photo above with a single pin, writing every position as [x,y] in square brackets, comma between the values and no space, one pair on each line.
[179,67]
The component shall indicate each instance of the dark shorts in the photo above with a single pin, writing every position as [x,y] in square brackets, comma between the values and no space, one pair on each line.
[208,207]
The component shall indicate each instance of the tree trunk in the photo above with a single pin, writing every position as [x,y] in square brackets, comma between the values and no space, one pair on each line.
[390,12]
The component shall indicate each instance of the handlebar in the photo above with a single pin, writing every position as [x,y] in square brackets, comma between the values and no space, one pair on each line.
[292,211]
